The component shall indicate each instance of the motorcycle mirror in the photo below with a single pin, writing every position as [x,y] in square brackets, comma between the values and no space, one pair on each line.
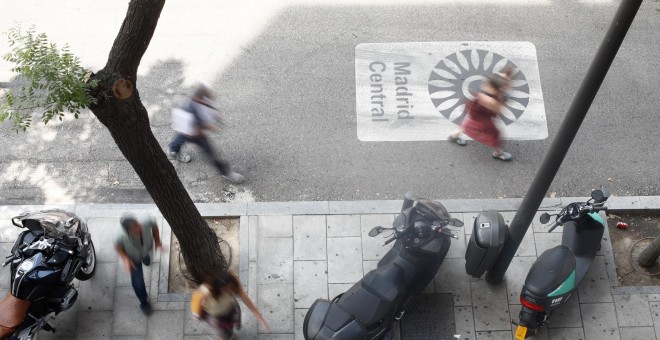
[597,195]
[456,222]
[376,230]
[545,218]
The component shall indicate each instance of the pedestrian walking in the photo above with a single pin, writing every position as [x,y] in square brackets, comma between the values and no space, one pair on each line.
[134,244]
[478,123]
[214,302]
[190,121]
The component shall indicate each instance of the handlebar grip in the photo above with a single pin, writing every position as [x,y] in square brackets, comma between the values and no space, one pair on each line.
[554,225]
[390,240]
[600,208]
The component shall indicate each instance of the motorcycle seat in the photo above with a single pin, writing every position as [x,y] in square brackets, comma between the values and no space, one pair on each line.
[551,269]
[12,313]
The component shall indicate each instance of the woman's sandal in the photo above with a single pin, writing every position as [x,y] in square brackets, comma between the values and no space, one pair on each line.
[504,156]
[458,140]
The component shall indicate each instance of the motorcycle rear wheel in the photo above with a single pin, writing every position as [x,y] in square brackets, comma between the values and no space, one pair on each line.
[87,271]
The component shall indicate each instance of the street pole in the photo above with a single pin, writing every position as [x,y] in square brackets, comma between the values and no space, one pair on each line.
[567,131]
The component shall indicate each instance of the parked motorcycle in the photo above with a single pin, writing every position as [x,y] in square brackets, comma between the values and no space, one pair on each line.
[56,248]
[372,306]
[557,273]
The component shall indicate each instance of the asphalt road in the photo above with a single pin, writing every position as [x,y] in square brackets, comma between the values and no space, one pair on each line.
[286,81]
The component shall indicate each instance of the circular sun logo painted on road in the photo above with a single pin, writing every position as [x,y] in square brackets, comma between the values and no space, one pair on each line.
[457,77]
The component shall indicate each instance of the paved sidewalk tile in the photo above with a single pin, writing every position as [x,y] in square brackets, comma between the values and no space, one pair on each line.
[368,266]
[599,321]
[65,324]
[515,277]
[595,287]
[372,247]
[275,260]
[97,293]
[310,282]
[136,337]
[94,325]
[464,322]
[637,333]
[655,313]
[275,301]
[343,225]
[249,323]
[633,310]
[276,336]
[127,317]
[566,316]
[491,307]
[458,245]
[335,289]
[451,278]
[309,240]
[494,335]
[344,259]
[299,318]
[468,222]
[165,325]
[104,230]
[566,334]
[545,241]
[193,326]
[275,226]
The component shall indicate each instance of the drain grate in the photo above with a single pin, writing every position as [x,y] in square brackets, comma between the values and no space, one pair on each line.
[429,316]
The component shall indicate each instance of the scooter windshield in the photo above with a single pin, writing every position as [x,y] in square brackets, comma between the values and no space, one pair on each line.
[435,209]
[52,222]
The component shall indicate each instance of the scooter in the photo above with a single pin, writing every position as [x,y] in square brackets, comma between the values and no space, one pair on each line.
[557,273]
[56,248]
[372,306]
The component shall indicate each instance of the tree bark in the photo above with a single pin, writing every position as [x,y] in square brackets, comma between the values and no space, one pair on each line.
[120,110]
[651,253]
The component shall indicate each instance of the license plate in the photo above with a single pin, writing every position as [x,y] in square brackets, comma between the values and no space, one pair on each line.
[521,331]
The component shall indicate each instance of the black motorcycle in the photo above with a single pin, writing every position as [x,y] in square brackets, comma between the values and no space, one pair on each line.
[56,248]
[370,308]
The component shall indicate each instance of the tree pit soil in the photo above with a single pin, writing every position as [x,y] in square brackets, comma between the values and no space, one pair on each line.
[226,229]
[623,240]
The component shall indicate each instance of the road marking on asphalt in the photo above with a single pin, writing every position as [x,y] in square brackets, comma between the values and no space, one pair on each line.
[417,91]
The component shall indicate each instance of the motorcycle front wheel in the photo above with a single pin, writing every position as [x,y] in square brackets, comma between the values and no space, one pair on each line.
[87,270]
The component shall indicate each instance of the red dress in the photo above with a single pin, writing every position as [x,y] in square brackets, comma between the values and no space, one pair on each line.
[478,124]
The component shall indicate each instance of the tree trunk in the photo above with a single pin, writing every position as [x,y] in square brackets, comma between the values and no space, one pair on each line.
[119,108]
[651,253]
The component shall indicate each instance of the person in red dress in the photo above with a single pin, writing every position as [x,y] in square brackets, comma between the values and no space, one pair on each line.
[478,123]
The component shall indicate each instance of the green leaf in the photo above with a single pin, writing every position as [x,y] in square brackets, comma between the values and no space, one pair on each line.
[53,81]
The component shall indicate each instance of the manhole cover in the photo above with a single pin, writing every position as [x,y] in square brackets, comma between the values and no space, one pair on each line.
[429,316]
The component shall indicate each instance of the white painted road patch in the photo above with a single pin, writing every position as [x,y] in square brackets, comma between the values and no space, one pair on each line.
[417,91]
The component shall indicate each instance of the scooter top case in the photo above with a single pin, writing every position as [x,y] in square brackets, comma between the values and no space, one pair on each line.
[488,236]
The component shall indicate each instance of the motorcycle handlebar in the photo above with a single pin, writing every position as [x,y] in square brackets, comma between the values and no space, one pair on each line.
[554,225]
[600,208]
[390,240]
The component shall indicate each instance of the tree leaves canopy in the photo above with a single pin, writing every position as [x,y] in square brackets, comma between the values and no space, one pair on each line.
[49,80]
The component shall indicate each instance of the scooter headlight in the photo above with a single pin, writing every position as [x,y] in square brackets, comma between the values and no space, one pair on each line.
[26,265]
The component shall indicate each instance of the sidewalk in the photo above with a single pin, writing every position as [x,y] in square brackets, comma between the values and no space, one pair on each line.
[292,253]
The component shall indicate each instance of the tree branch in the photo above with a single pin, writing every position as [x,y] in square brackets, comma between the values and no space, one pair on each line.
[134,36]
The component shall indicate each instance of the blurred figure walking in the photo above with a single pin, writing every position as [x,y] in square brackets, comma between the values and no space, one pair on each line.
[214,302]
[478,123]
[190,121]
[134,244]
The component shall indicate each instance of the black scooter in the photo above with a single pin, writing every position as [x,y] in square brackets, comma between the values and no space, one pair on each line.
[557,273]
[369,309]
[55,248]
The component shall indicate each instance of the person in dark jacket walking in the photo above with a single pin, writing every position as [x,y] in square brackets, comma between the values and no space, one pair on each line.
[202,117]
